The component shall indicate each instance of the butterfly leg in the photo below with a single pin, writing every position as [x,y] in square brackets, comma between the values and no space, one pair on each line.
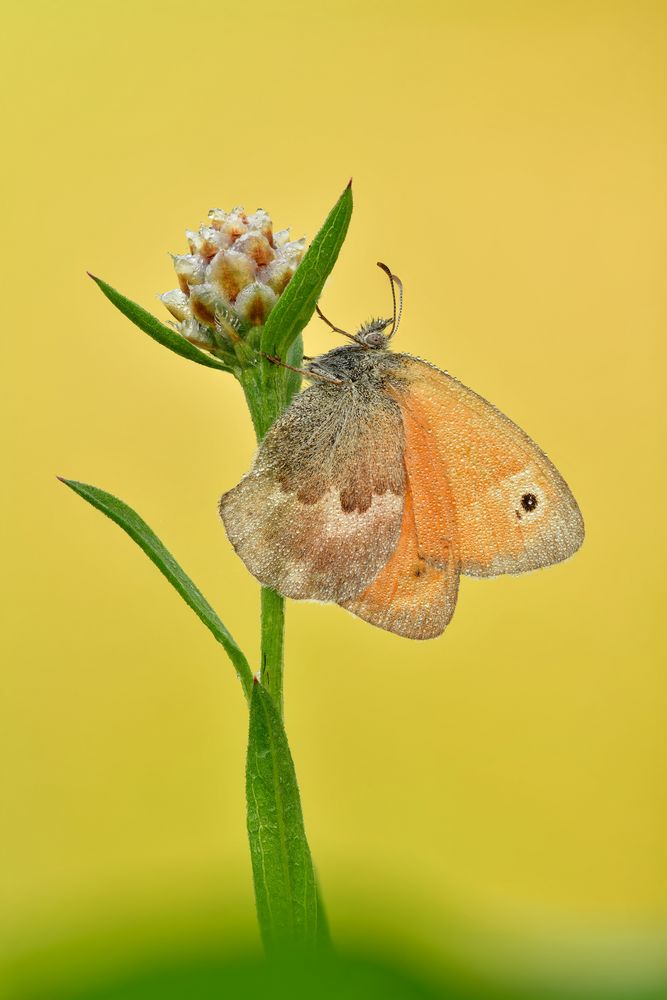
[306,372]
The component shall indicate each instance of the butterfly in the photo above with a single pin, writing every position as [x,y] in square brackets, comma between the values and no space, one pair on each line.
[385,480]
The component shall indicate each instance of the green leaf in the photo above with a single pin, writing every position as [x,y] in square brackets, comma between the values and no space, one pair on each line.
[285,887]
[139,532]
[323,932]
[294,357]
[157,330]
[297,304]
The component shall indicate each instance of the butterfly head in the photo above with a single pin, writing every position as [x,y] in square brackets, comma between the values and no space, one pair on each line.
[373,335]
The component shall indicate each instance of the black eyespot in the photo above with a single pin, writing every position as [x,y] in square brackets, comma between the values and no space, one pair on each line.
[529,502]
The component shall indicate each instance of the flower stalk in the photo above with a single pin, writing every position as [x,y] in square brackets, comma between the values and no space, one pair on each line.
[268,390]
[273,645]
[246,293]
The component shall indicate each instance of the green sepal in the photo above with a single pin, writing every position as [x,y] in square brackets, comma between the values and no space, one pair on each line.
[158,331]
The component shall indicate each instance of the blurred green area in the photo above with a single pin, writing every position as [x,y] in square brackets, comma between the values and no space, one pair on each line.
[203,953]
[296,975]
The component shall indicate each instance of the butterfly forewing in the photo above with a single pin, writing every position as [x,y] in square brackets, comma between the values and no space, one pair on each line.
[320,511]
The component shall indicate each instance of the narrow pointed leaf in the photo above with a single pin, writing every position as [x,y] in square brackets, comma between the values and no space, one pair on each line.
[139,532]
[157,330]
[285,887]
[323,932]
[297,303]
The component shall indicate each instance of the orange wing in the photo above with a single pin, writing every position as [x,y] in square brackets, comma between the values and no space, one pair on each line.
[414,595]
[513,510]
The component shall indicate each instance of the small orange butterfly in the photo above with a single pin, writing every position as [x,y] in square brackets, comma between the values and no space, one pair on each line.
[385,480]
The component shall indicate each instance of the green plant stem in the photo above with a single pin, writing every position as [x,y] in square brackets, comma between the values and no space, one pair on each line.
[273,641]
[268,389]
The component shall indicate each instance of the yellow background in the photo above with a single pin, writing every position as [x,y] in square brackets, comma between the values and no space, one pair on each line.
[506,781]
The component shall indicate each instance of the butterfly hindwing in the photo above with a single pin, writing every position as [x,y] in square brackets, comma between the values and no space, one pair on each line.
[414,595]
[514,512]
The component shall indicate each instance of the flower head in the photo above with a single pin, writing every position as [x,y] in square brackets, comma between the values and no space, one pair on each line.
[234,274]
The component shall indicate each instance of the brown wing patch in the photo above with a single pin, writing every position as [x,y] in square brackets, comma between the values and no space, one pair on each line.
[514,512]
[320,511]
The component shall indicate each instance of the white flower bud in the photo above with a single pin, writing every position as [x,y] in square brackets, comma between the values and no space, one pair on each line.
[217,218]
[230,271]
[236,224]
[255,303]
[197,334]
[257,247]
[207,241]
[177,303]
[294,250]
[278,274]
[235,272]
[205,300]
[190,269]
[260,222]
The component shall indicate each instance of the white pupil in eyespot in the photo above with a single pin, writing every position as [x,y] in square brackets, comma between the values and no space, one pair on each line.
[529,502]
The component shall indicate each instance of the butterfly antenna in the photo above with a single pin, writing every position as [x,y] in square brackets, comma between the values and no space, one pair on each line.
[336,329]
[394,281]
